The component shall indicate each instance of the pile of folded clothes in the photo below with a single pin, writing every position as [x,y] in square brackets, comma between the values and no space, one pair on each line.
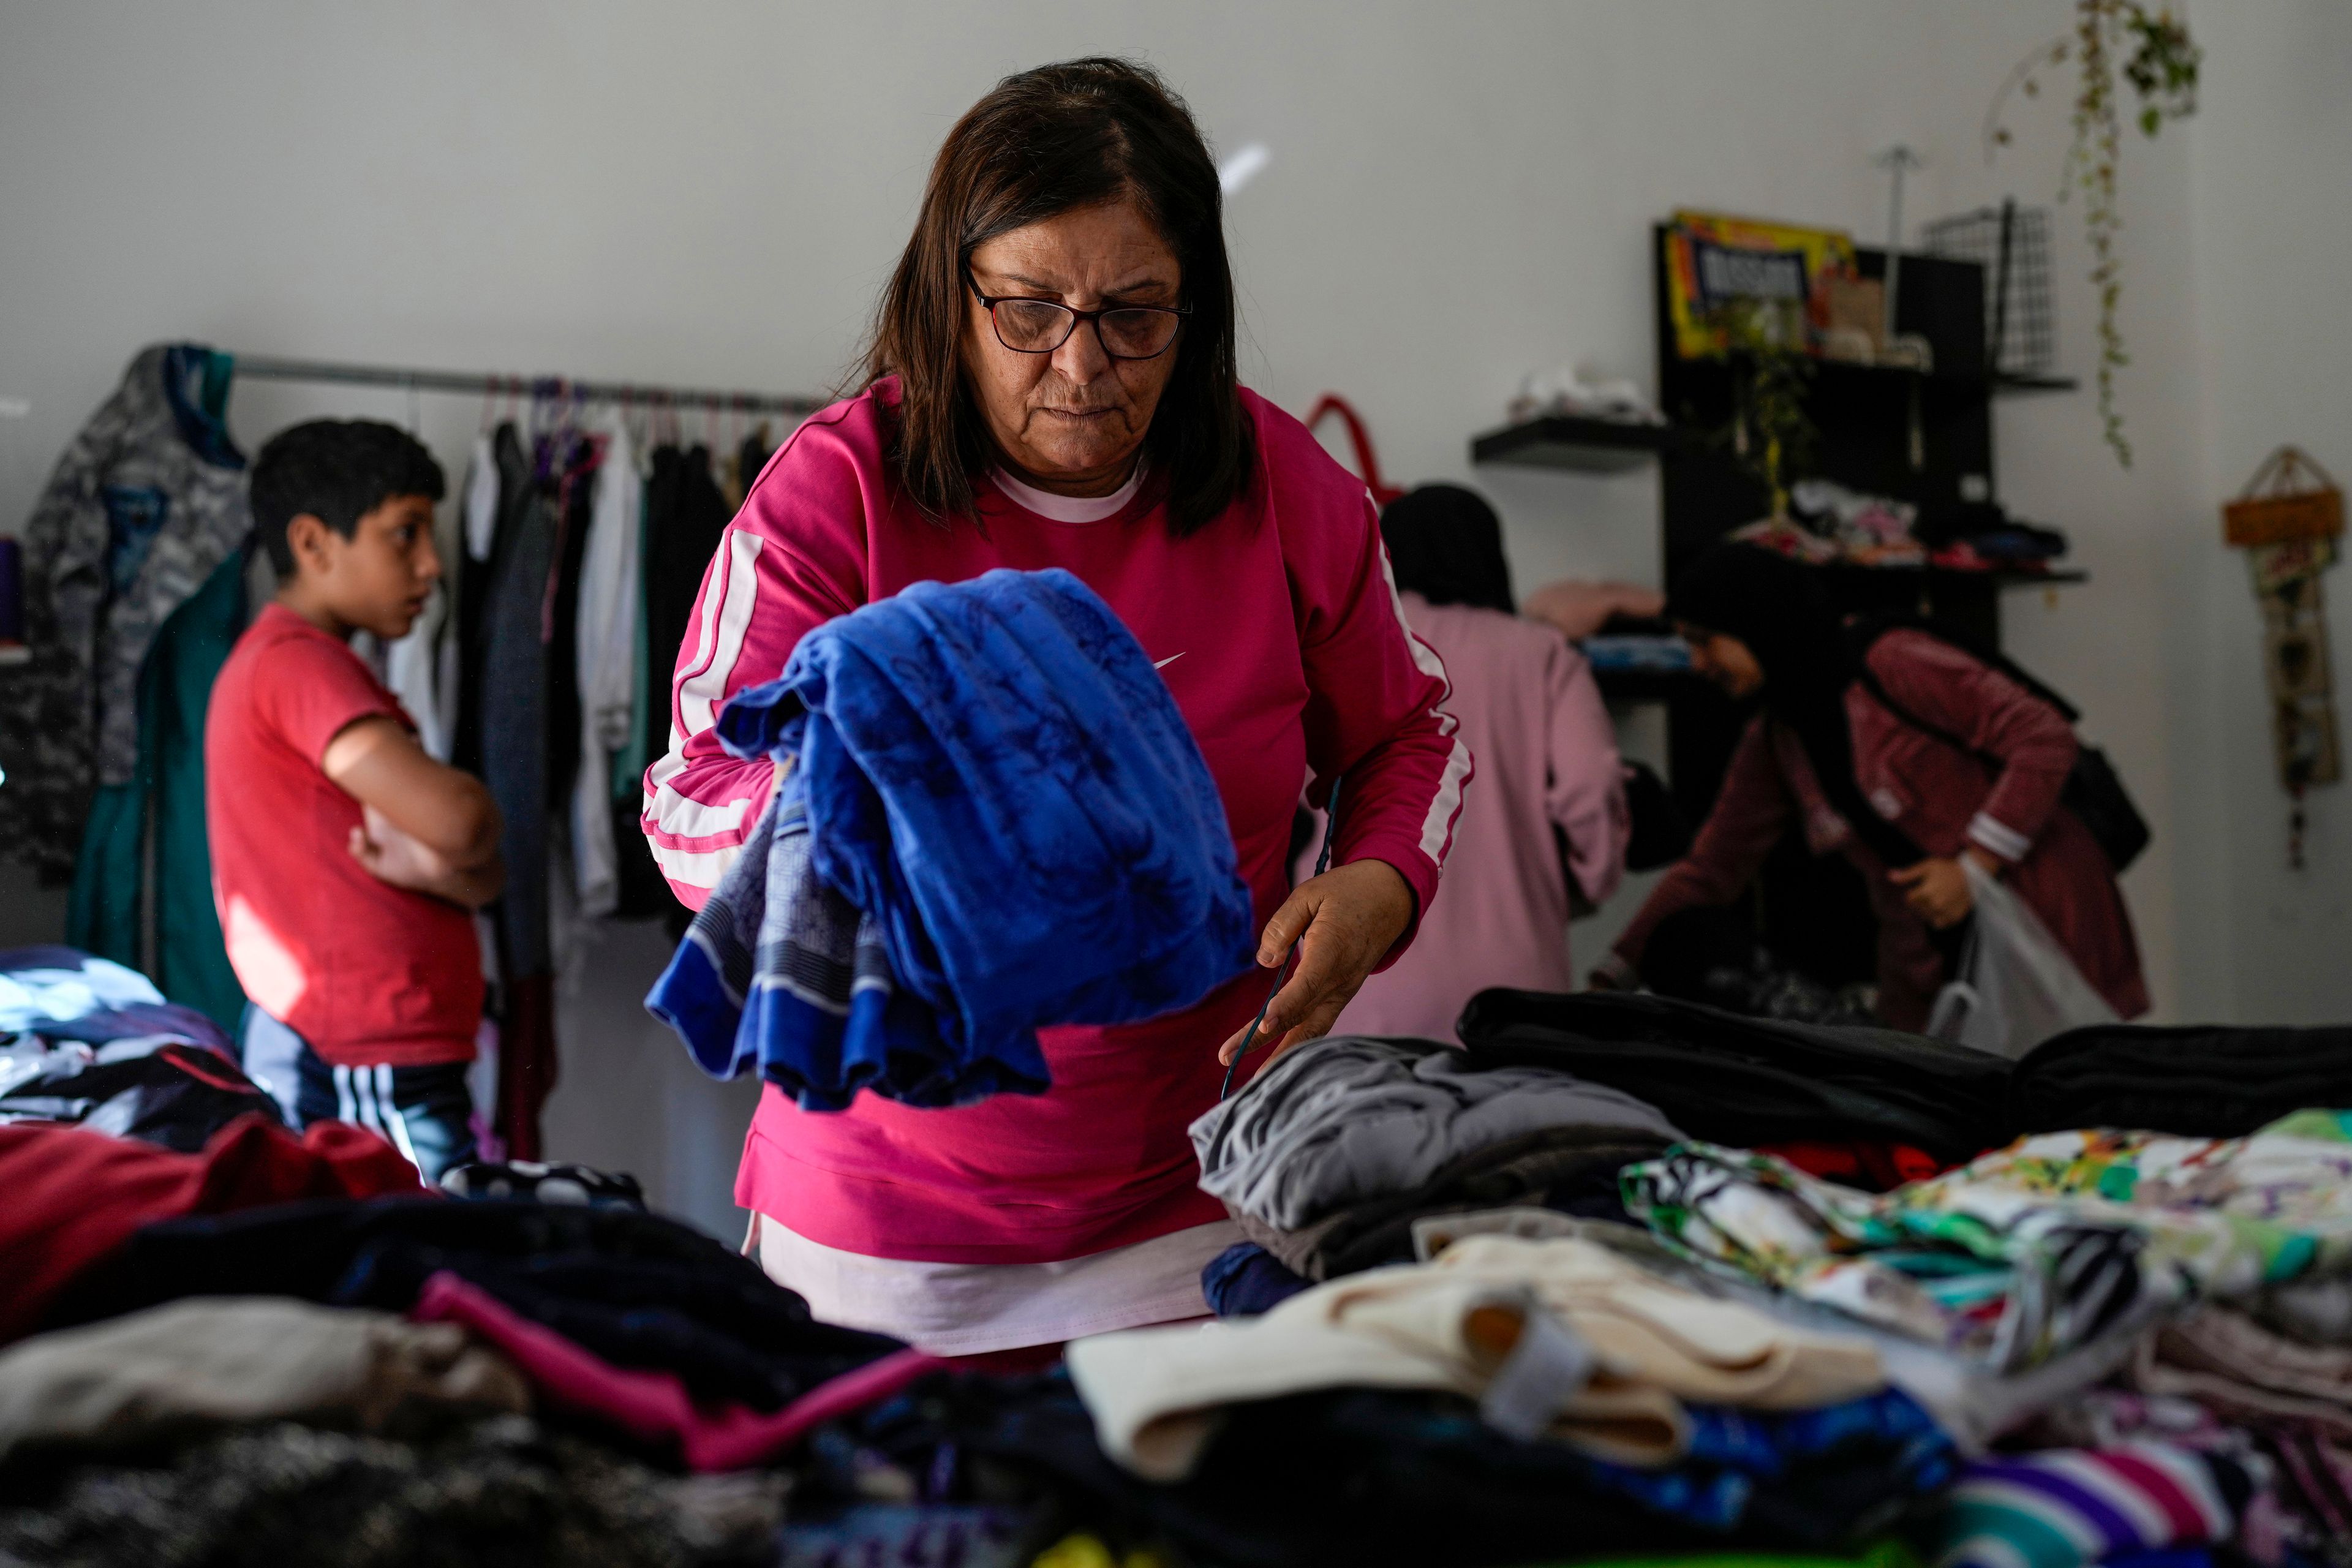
[1621,1277]
[1635,1275]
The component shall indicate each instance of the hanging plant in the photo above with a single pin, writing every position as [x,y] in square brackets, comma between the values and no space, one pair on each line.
[1771,432]
[2159,63]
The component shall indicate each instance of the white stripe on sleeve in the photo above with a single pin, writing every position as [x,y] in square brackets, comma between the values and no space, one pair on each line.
[2000,838]
[695,867]
[1437,823]
[724,624]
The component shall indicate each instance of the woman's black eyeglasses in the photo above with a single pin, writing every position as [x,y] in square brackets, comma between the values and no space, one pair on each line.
[1039,326]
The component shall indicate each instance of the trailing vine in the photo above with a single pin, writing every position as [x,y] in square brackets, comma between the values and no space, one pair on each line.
[2159,62]
[1771,432]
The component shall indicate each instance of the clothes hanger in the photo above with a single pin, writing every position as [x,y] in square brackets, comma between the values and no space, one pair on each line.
[1366,464]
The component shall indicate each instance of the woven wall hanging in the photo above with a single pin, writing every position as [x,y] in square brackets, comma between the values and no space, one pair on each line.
[2288,521]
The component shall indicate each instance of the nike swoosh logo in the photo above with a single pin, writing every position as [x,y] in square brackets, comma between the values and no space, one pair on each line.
[1168,660]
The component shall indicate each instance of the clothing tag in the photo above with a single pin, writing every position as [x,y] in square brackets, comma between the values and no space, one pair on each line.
[1544,1371]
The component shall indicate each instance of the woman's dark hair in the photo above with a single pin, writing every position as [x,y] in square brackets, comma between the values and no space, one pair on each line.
[1446,543]
[337,470]
[1045,142]
[1780,609]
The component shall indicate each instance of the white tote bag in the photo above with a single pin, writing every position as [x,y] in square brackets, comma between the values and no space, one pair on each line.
[2015,986]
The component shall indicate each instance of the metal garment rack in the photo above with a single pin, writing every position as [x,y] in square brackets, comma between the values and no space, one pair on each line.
[270,367]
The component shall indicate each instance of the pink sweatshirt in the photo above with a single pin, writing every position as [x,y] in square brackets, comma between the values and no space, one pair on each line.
[1548,778]
[1279,634]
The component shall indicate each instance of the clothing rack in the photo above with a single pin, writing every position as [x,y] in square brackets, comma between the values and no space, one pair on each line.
[272,368]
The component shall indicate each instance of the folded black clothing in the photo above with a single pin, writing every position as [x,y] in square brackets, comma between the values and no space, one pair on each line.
[1571,1168]
[158,1089]
[1356,1476]
[1289,1483]
[636,1288]
[1742,1081]
[2198,1081]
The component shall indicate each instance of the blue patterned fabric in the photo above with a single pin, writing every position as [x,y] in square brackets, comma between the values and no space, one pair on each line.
[1845,1468]
[996,819]
[781,972]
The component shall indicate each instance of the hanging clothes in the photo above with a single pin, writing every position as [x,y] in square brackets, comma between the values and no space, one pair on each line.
[485,507]
[148,499]
[142,891]
[510,732]
[412,669]
[684,516]
[604,655]
[567,464]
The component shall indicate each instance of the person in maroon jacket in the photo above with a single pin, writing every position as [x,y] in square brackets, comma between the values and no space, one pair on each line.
[1840,749]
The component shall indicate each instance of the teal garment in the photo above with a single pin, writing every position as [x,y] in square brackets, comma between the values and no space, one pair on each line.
[103,911]
[155,823]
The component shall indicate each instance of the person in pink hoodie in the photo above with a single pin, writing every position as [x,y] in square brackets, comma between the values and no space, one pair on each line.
[1546,835]
[1052,382]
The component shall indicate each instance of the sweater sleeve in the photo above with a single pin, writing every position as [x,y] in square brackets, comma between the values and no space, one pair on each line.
[1998,718]
[1584,791]
[791,560]
[1750,813]
[1375,714]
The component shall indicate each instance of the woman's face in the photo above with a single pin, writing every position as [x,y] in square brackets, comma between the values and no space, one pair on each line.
[1072,420]
[1726,661]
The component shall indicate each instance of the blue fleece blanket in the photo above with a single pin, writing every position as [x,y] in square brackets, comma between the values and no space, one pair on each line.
[992,775]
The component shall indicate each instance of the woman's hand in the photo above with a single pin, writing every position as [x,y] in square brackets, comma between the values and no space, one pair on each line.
[1351,915]
[1938,890]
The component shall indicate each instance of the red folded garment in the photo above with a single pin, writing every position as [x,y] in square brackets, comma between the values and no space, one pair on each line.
[655,1405]
[73,1196]
[1874,1167]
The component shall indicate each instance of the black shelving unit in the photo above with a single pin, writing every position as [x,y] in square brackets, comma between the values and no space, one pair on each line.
[1926,437]
[1561,441]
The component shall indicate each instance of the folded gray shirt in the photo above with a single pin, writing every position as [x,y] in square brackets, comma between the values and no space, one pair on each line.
[1349,1118]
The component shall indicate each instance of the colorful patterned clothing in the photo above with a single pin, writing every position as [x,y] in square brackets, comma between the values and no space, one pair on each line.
[2065,1507]
[2033,1249]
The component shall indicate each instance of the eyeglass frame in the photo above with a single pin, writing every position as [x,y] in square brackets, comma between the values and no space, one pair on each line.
[1077,319]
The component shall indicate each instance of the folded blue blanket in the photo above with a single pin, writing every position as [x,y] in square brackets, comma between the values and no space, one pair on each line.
[990,777]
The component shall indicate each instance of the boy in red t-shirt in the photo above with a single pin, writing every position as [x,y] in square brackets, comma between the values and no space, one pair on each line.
[345,860]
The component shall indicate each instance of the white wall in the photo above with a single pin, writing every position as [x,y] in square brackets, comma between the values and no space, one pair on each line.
[2271,222]
[1458,195]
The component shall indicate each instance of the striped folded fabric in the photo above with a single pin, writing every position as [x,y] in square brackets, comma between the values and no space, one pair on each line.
[2062,1508]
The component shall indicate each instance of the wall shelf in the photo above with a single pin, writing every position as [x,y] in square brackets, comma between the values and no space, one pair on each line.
[1585,446]
[2010,382]
[2001,577]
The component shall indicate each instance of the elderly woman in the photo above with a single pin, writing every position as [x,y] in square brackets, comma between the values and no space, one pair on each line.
[1052,382]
